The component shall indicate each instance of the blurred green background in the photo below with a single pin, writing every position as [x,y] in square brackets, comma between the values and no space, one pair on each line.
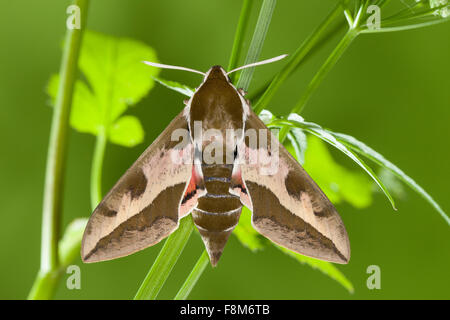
[389,90]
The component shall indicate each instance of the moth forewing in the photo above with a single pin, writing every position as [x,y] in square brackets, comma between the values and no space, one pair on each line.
[143,207]
[288,207]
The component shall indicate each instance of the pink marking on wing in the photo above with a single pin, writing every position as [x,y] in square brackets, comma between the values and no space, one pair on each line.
[238,187]
[194,190]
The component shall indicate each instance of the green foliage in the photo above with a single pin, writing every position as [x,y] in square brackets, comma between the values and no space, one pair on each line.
[259,35]
[297,122]
[394,184]
[297,144]
[70,244]
[415,14]
[338,183]
[371,154]
[246,234]
[116,79]
[176,86]
[351,146]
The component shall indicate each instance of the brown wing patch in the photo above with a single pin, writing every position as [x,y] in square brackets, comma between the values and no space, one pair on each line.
[288,230]
[294,184]
[137,183]
[153,223]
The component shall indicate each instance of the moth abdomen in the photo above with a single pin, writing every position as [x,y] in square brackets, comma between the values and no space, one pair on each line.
[215,228]
[218,211]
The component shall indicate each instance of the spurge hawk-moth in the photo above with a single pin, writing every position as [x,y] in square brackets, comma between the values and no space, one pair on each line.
[212,159]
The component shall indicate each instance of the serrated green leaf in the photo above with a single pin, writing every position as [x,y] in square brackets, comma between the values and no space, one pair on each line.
[117,79]
[85,116]
[114,69]
[176,86]
[70,244]
[127,131]
[371,154]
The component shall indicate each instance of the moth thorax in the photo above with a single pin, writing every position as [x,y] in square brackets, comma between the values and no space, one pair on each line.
[218,146]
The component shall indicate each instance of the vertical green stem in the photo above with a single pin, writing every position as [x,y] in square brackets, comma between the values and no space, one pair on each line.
[324,69]
[320,75]
[165,261]
[296,58]
[239,34]
[96,169]
[193,277]
[45,283]
[262,25]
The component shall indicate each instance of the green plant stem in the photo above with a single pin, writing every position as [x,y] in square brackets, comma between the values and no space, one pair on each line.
[259,35]
[324,69]
[258,93]
[407,27]
[45,283]
[165,261]
[239,34]
[297,58]
[96,170]
[193,277]
[320,75]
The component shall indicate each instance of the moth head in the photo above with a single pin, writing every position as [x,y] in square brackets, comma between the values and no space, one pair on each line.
[217,72]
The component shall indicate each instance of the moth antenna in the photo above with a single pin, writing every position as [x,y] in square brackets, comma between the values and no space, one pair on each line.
[254,64]
[167,66]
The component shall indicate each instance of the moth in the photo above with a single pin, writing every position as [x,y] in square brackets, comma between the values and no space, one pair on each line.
[213,158]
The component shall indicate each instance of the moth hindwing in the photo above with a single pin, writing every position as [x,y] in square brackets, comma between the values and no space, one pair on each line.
[212,159]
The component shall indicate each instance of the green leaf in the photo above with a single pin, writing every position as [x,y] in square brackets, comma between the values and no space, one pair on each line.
[296,121]
[266,116]
[337,182]
[394,184]
[251,239]
[176,86]
[70,244]
[256,44]
[84,117]
[348,144]
[127,131]
[297,139]
[371,154]
[422,14]
[117,79]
